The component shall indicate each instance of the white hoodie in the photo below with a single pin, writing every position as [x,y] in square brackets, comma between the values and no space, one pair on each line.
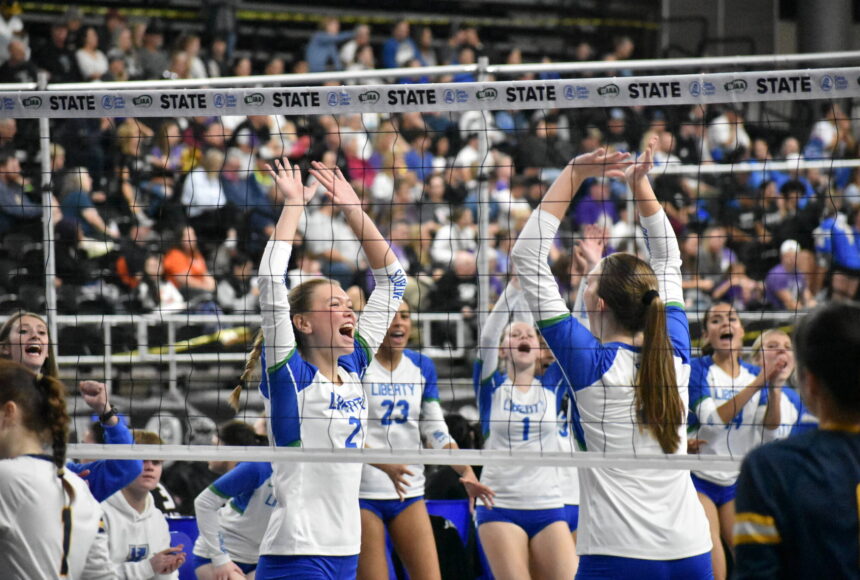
[135,537]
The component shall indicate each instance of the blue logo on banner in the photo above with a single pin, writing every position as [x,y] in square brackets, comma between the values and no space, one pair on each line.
[107,102]
[451,96]
[221,100]
[572,92]
[826,83]
[336,99]
[218,101]
[113,102]
[702,88]
[841,82]
[7,104]
[695,88]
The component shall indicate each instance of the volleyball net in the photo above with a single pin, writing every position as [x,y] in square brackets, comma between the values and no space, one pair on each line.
[449,171]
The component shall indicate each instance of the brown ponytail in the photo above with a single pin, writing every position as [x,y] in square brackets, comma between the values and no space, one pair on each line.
[628,286]
[250,365]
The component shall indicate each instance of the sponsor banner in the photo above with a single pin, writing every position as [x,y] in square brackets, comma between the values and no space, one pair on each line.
[561,94]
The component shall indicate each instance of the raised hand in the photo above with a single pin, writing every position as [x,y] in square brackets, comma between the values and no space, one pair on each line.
[643,164]
[337,187]
[589,250]
[601,163]
[288,180]
[94,395]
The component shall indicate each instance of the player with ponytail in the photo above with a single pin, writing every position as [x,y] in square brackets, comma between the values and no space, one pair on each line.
[50,524]
[629,372]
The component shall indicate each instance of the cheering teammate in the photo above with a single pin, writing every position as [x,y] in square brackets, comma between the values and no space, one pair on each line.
[316,352]
[734,405]
[50,524]
[629,375]
[526,531]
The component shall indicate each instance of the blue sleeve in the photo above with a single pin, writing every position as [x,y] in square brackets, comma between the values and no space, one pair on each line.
[845,253]
[698,388]
[678,328]
[108,476]
[282,384]
[581,357]
[389,54]
[428,371]
[17,204]
[244,478]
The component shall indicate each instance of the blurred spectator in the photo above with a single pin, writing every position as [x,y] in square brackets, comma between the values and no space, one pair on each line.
[456,290]
[543,148]
[76,203]
[92,62]
[17,68]
[153,59]
[349,51]
[399,49]
[186,268]
[238,291]
[460,235]
[303,267]
[116,69]
[178,66]
[204,200]
[418,159]
[154,292]
[728,137]
[595,203]
[221,22]
[19,212]
[785,285]
[74,23]
[364,60]
[114,24]
[330,240]
[54,56]
[216,61]
[322,50]
[190,45]
[465,57]
[741,291]
[427,51]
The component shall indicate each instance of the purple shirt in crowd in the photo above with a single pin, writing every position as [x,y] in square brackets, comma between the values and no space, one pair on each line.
[781,279]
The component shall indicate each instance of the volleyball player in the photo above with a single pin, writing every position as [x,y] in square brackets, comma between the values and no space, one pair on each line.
[50,524]
[25,338]
[797,499]
[794,416]
[629,374]
[526,531]
[403,409]
[316,351]
[735,407]
[233,513]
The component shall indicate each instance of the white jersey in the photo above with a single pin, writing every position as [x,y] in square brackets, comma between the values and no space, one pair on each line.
[516,419]
[403,408]
[710,387]
[635,513]
[32,499]
[135,537]
[317,503]
[568,477]
[233,514]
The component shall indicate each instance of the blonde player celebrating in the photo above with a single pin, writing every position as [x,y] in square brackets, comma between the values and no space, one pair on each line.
[316,351]
[50,524]
[526,531]
[403,408]
[736,407]
[629,373]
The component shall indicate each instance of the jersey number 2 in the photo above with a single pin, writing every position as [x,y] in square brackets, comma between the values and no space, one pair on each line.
[349,440]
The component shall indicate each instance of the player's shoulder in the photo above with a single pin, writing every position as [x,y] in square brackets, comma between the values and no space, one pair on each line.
[786,452]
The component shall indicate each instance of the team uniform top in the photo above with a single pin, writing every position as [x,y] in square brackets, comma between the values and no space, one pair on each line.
[795,417]
[646,514]
[710,387]
[797,508]
[135,537]
[233,532]
[515,420]
[31,527]
[317,509]
[402,408]
[107,476]
[568,442]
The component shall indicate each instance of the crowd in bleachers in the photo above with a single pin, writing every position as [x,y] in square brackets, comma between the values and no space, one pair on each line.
[172,214]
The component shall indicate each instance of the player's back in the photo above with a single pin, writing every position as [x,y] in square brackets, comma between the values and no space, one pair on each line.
[798,508]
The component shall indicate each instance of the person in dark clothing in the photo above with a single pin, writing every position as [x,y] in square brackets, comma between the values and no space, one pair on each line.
[55,57]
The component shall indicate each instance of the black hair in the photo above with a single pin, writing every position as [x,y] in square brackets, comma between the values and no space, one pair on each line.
[826,344]
[239,433]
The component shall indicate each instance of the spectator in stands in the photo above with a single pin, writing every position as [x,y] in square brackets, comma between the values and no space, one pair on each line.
[790,221]
[76,203]
[19,212]
[137,532]
[178,66]
[204,200]
[785,285]
[153,59]
[365,59]
[275,66]
[92,62]
[543,147]
[190,45]
[116,69]
[460,235]
[419,159]
[329,239]
[596,203]
[18,68]
[216,58]
[428,54]
[154,292]
[238,291]
[399,49]
[738,289]
[349,51]
[322,50]
[186,268]
[456,290]
[465,57]
[53,56]
[728,137]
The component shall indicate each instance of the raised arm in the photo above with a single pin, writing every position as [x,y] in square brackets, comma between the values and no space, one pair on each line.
[510,302]
[274,296]
[388,274]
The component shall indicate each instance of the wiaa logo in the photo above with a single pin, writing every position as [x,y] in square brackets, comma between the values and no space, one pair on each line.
[32,102]
[610,90]
[738,85]
[144,101]
[369,97]
[488,94]
[255,99]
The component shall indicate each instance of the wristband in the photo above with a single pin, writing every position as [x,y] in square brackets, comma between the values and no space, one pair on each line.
[108,415]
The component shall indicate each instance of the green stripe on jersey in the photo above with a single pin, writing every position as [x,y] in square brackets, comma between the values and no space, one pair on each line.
[554,320]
